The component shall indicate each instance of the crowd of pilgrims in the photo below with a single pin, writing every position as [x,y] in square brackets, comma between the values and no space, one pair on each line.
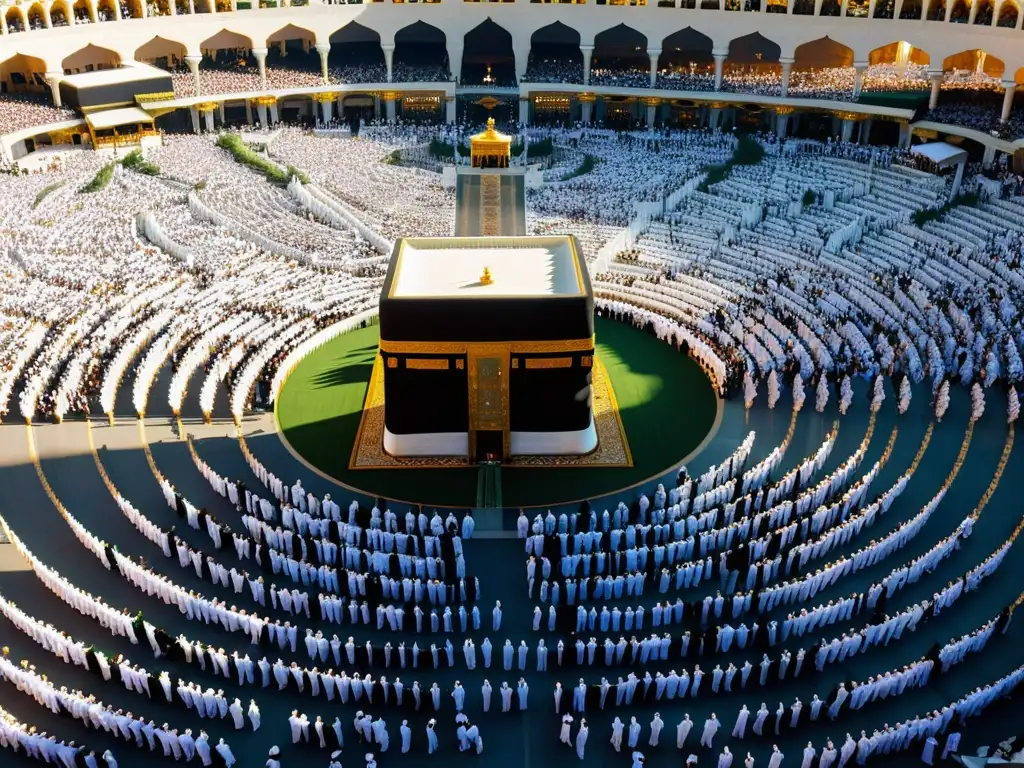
[302,558]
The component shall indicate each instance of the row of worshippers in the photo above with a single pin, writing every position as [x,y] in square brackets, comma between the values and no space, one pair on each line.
[316,542]
[95,714]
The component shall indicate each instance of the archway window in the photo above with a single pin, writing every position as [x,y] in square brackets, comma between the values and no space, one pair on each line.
[803,7]
[1008,14]
[885,9]
[911,9]
[984,12]
[421,54]
[36,19]
[487,57]
[686,63]
[356,56]
[58,16]
[555,55]
[857,9]
[778,6]
[830,8]
[961,12]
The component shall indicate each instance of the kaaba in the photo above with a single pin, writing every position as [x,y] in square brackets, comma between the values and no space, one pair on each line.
[488,348]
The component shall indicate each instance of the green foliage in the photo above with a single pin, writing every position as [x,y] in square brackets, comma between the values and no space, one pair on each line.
[100,180]
[588,164]
[393,158]
[970,200]
[748,152]
[293,171]
[46,191]
[134,161]
[200,185]
[810,198]
[542,148]
[445,150]
[244,155]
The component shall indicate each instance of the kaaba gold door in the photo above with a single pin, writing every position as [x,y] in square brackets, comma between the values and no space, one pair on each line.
[488,399]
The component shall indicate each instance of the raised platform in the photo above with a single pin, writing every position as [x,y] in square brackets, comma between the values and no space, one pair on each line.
[490,203]
[369,451]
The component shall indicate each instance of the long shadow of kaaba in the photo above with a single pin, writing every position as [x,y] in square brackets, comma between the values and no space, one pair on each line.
[477,216]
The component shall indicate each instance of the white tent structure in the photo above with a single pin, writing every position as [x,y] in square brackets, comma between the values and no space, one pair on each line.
[944,155]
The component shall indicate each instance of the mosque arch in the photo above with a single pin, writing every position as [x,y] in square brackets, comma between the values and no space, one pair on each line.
[823,53]
[109,10]
[15,18]
[960,13]
[487,52]
[899,52]
[754,49]
[983,12]
[83,10]
[421,45]
[1009,11]
[37,16]
[911,9]
[91,58]
[60,14]
[620,48]
[975,60]
[23,74]
[161,52]
[558,43]
[226,39]
[355,45]
[686,48]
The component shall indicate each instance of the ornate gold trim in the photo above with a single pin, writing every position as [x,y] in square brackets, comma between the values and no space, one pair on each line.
[426,364]
[548,362]
[392,362]
[464,347]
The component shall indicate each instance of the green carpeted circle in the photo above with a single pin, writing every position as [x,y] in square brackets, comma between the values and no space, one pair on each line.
[666,403]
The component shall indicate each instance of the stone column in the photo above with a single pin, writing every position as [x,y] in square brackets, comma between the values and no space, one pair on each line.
[865,131]
[208,119]
[389,55]
[260,55]
[787,69]
[195,118]
[936,78]
[713,115]
[720,56]
[449,109]
[524,109]
[654,54]
[273,113]
[782,121]
[522,55]
[390,101]
[326,104]
[53,80]
[906,135]
[652,115]
[324,49]
[588,111]
[248,112]
[958,179]
[455,58]
[261,112]
[1009,89]
[588,53]
[220,109]
[192,60]
[989,157]
[859,68]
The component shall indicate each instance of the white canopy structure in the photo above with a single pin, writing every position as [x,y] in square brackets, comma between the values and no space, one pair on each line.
[944,155]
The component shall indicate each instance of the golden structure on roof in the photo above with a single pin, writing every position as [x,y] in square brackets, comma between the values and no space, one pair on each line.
[490,149]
